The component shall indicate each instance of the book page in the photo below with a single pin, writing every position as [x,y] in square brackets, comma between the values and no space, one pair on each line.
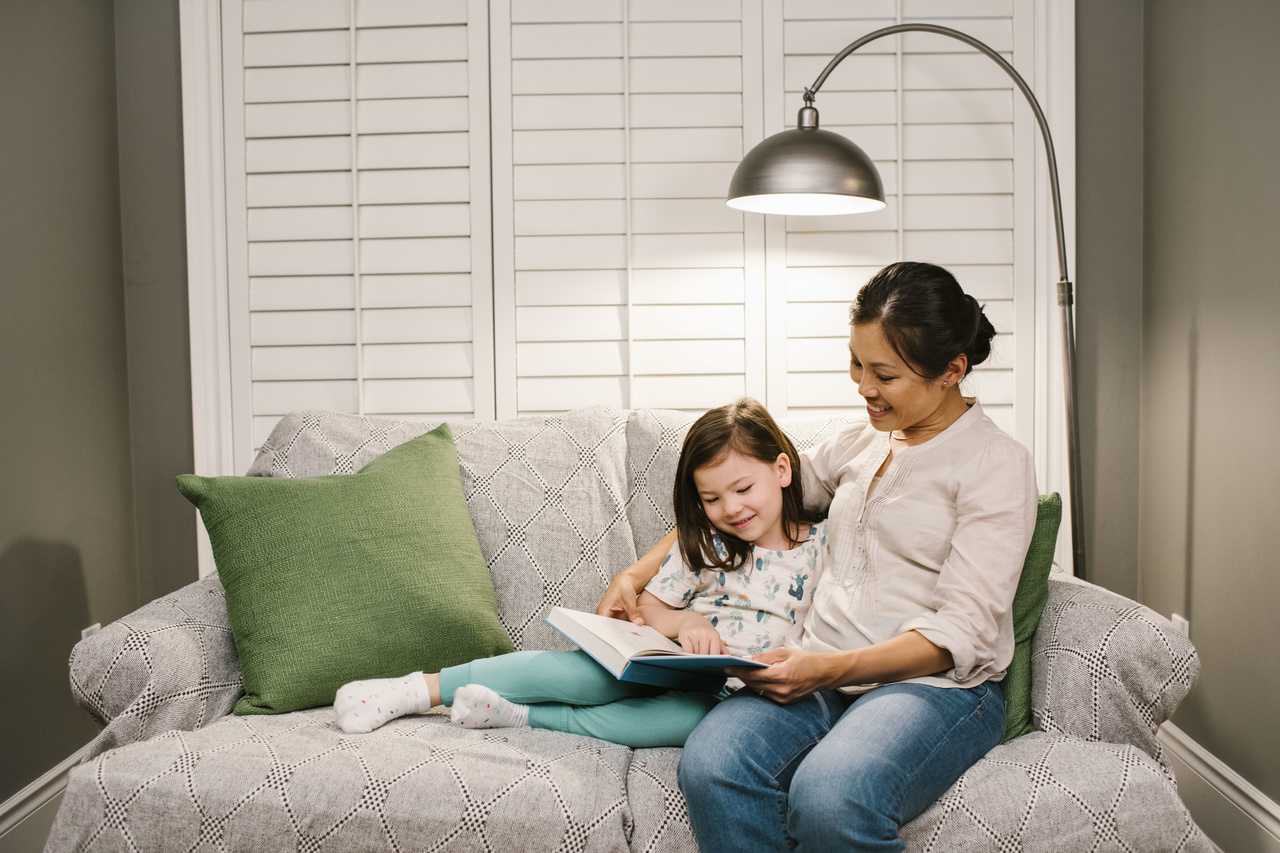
[629,639]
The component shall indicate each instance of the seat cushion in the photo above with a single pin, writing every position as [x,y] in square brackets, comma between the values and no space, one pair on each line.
[1041,793]
[1046,793]
[294,782]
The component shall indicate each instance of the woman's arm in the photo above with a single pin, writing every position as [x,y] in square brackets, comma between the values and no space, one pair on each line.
[794,673]
[695,632]
[619,600]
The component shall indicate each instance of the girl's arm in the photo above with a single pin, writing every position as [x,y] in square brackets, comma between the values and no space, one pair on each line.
[693,631]
[794,673]
[619,600]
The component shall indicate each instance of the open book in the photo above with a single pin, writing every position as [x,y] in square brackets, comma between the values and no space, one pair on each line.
[640,654]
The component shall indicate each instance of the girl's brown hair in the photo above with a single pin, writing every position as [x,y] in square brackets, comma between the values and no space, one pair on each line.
[746,428]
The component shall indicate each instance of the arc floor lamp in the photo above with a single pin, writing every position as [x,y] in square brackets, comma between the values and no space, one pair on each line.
[809,171]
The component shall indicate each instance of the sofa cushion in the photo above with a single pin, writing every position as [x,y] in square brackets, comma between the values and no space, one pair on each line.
[546,496]
[330,579]
[1028,604]
[1046,793]
[295,782]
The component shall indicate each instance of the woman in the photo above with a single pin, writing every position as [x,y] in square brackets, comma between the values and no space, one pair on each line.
[894,692]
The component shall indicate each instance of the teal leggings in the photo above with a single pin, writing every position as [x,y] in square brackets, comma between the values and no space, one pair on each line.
[570,692]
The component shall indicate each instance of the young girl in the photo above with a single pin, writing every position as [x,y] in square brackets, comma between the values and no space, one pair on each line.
[738,581]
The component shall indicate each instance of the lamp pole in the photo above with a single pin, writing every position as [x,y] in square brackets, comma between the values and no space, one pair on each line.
[1065,293]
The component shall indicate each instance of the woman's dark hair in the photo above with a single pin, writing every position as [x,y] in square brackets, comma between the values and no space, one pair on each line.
[926,317]
[746,428]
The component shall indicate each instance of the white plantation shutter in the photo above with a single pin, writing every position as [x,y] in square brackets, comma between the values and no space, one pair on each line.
[622,277]
[945,143]
[462,208]
[358,209]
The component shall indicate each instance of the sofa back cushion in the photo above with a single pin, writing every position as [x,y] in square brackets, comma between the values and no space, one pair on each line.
[547,496]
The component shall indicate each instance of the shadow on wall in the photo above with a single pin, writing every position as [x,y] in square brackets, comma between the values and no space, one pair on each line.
[43,607]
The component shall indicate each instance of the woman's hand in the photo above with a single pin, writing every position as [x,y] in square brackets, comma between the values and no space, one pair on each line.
[792,674]
[619,600]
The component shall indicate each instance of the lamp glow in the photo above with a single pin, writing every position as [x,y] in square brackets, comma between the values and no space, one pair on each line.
[805,204]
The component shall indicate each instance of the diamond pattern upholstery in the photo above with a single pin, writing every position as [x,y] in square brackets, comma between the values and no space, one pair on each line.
[560,503]
[295,782]
[1048,793]
[169,665]
[1107,669]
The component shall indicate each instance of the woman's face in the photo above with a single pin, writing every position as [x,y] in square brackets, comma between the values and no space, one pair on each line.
[897,397]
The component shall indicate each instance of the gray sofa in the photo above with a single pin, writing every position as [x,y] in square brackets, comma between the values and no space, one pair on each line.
[561,503]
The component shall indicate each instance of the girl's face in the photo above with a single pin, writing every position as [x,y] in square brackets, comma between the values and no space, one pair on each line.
[897,397]
[743,497]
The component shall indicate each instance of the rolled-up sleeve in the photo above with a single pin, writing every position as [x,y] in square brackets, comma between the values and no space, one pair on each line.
[995,505]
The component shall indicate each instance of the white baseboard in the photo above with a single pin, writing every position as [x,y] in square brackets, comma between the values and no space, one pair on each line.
[34,798]
[1233,813]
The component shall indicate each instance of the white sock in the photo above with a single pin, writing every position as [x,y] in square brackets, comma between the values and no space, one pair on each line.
[362,706]
[477,707]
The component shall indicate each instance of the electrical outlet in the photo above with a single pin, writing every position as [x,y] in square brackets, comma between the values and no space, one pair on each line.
[1183,624]
[91,630]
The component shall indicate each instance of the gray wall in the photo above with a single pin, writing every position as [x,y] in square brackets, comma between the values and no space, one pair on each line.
[1179,270]
[1211,345]
[154,238]
[93,353]
[1108,279]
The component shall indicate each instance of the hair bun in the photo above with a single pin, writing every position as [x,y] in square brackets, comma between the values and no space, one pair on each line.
[979,349]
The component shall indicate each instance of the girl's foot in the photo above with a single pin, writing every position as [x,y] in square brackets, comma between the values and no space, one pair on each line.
[362,706]
[477,707]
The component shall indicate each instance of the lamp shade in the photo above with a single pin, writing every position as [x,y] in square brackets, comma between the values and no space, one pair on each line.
[806,172]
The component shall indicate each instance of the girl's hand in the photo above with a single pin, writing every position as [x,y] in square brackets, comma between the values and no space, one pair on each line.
[698,636]
[792,674]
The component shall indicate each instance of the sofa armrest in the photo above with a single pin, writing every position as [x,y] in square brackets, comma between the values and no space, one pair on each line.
[1107,669]
[169,665]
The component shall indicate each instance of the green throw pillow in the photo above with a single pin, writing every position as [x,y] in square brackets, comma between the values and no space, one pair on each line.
[349,576]
[1028,604]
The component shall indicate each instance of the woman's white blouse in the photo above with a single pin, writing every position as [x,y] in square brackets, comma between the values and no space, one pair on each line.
[937,548]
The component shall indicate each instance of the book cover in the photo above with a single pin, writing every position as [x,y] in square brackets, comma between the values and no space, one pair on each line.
[640,654]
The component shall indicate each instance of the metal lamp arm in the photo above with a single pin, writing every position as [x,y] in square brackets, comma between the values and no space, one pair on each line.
[991,53]
[1065,295]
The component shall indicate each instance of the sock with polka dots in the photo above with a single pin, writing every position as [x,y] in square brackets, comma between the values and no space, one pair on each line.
[363,706]
[477,707]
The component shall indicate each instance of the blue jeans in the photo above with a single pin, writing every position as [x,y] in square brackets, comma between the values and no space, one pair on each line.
[831,771]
